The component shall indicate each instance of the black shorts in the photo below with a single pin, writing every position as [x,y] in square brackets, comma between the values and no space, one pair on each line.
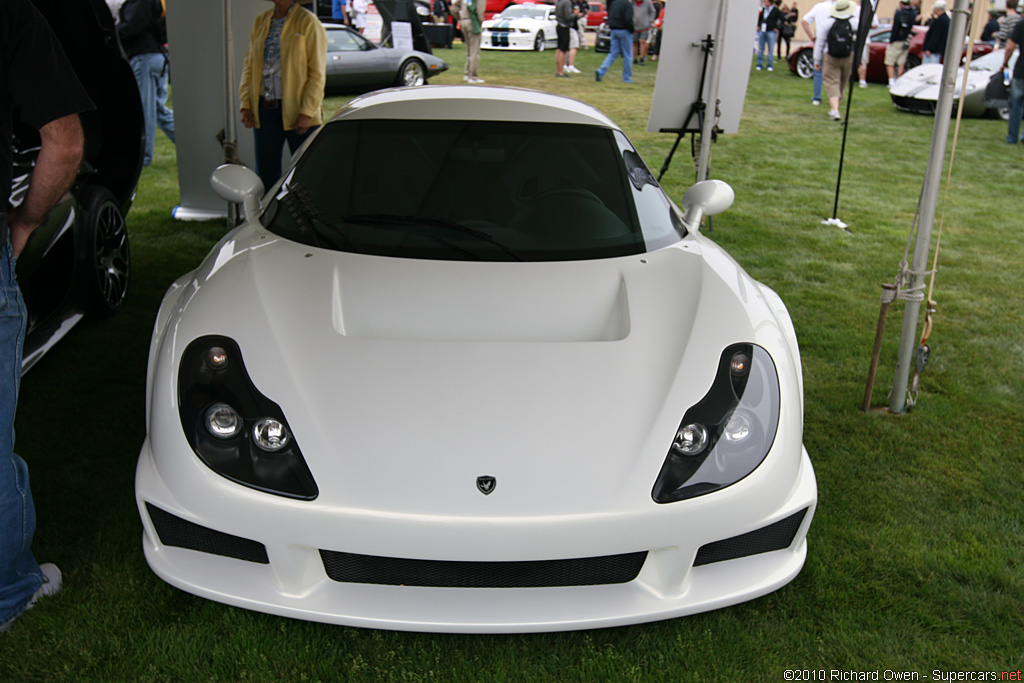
[563,37]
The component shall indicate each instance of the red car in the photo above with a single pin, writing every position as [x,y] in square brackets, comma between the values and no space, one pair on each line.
[598,13]
[801,61]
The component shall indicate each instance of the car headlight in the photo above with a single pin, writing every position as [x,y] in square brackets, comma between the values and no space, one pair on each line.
[234,429]
[728,433]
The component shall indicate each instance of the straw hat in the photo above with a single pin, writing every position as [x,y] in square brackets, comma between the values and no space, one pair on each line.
[843,9]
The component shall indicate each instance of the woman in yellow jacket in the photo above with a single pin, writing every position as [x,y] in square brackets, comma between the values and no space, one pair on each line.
[283,83]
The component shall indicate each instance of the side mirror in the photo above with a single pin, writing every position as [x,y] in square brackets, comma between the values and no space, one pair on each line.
[706,198]
[239,185]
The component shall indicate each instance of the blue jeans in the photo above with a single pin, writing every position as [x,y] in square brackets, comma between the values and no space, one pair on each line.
[270,138]
[1016,110]
[622,45]
[151,71]
[931,59]
[20,576]
[767,40]
[818,82]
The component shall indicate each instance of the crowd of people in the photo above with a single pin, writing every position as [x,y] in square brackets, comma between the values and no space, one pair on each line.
[832,26]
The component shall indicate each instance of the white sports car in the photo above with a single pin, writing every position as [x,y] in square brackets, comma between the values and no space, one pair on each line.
[521,27]
[917,90]
[435,384]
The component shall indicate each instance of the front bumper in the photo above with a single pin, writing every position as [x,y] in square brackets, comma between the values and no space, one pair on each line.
[283,557]
[507,40]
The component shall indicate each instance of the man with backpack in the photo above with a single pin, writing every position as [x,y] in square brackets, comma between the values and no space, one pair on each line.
[142,30]
[833,51]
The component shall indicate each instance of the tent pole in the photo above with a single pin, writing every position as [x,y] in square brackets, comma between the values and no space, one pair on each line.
[929,202]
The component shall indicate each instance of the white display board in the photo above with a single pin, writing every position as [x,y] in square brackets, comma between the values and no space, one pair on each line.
[687,23]
[196,40]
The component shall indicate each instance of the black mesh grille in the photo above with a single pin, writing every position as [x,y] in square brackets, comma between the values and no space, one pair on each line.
[913,104]
[772,537]
[389,571]
[180,533]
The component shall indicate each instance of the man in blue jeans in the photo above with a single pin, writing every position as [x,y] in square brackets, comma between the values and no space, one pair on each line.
[37,80]
[620,21]
[1016,84]
[814,18]
[142,32]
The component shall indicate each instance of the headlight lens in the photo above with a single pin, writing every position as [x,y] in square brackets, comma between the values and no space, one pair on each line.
[728,433]
[222,421]
[234,429]
[270,435]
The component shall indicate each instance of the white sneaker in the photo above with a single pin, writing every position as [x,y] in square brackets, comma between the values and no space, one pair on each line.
[834,114]
[771,68]
[863,84]
[52,582]
[477,80]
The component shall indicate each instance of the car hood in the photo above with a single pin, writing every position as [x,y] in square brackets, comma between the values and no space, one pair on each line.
[405,380]
[518,22]
[923,82]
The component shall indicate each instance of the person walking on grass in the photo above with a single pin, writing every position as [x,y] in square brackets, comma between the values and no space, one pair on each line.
[833,51]
[812,22]
[620,21]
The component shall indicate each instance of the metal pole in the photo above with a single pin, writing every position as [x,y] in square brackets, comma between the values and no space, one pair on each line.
[230,143]
[712,95]
[929,202]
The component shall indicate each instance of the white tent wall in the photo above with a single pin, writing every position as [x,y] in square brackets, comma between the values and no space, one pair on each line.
[197,39]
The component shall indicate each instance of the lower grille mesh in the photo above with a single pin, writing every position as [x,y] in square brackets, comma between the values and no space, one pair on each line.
[775,536]
[389,571]
[179,533]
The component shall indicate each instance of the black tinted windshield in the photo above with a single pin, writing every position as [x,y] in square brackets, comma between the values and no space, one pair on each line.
[471,190]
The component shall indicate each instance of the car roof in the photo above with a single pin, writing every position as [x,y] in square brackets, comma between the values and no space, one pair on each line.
[474,103]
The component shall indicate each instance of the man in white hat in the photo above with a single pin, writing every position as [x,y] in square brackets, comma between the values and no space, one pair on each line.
[833,51]
[938,31]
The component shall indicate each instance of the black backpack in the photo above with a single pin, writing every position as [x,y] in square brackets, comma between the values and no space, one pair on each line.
[840,38]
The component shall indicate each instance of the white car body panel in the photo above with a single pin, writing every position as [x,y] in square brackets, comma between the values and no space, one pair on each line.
[520,33]
[404,380]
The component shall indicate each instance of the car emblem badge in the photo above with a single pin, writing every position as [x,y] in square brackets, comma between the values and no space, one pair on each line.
[486,485]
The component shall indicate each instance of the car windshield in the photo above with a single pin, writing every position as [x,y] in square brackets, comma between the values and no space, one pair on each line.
[522,12]
[473,190]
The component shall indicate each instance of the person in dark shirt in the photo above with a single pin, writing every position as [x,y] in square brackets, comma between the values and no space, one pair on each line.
[896,51]
[620,21]
[769,19]
[988,34]
[938,30]
[142,32]
[37,81]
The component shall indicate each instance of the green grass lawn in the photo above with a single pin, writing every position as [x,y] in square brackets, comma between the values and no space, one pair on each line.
[915,554]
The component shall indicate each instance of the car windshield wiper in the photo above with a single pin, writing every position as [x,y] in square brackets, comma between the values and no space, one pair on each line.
[402,222]
[307,214]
